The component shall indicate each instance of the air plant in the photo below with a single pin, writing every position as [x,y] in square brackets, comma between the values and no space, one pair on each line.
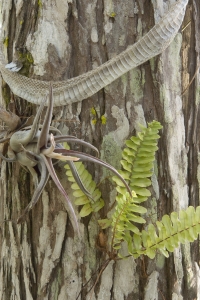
[35,145]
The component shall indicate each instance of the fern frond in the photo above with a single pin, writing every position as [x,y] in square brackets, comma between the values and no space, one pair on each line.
[137,162]
[137,165]
[167,234]
[92,204]
[126,212]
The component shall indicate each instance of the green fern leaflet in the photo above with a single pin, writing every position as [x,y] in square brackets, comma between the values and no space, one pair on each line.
[93,204]
[167,234]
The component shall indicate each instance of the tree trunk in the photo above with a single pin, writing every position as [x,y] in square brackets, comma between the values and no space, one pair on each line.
[41,258]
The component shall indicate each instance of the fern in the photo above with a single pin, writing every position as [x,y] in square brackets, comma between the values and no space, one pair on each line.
[167,234]
[125,213]
[177,228]
[93,204]
[137,163]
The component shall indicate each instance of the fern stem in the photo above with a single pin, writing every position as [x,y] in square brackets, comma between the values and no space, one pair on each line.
[115,226]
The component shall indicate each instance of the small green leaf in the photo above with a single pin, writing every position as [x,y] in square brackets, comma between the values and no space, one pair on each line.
[70,177]
[82,200]
[137,208]
[141,191]
[143,182]
[127,158]
[164,252]
[169,246]
[124,174]
[133,228]
[137,241]
[121,190]
[167,223]
[152,137]
[150,149]
[141,175]
[150,253]
[144,161]
[96,206]
[136,219]
[126,165]
[118,181]
[96,195]
[78,193]
[75,186]
[135,140]
[86,210]
[105,223]
[140,199]
[138,168]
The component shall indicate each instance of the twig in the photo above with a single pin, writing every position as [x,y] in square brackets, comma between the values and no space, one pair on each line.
[161,294]
[90,280]
[191,80]
[99,275]
[188,23]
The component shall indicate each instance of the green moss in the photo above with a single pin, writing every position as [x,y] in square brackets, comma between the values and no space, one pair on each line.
[40,3]
[27,59]
[112,14]
[6,94]
[103,120]
[6,41]
[94,121]
[93,111]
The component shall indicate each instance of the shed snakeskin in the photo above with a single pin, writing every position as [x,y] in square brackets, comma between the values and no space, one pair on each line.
[86,85]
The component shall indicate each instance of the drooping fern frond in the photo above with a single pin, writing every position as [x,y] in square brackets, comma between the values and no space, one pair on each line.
[167,234]
[90,204]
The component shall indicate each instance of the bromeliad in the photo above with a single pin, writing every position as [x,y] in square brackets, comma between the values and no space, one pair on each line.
[35,145]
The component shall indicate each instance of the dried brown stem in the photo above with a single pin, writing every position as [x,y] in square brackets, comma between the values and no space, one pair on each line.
[189,84]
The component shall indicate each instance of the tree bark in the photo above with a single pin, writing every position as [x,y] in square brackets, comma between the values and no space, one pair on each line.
[41,258]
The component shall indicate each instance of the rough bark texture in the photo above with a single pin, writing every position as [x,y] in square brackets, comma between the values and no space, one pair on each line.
[41,259]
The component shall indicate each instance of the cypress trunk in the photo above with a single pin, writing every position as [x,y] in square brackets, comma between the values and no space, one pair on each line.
[57,40]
